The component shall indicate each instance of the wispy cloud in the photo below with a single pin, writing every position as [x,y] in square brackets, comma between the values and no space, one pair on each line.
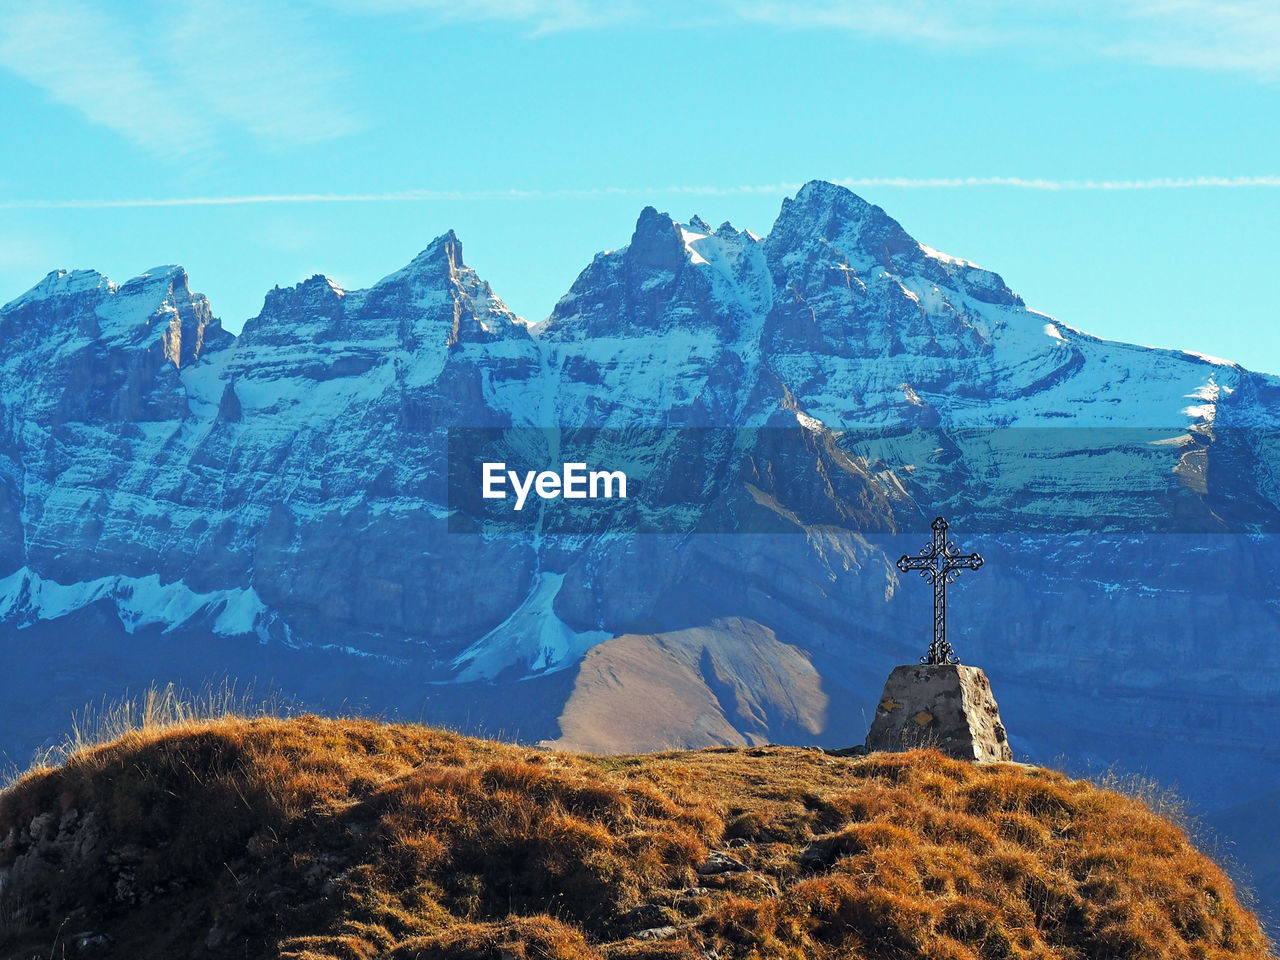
[543,16]
[1237,35]
[76,54]
[1036,183]
[177,76]
[264,71]
[1240,36]
[402,196]
[157,74]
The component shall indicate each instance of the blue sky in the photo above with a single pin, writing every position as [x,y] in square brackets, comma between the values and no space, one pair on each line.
[1118,162]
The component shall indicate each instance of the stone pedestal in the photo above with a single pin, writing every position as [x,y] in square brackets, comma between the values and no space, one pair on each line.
[945,706]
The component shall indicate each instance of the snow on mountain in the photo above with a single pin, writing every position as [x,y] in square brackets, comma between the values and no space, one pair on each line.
[702,293]
[324,419]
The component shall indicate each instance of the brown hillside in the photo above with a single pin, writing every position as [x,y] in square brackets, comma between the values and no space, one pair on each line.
[731,683]
[313,838]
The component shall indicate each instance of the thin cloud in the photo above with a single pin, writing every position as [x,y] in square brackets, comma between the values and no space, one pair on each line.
[402,196]
[1024,183]
[81,60]
[273,77]
[545,16]
[1241,36]
[976,23]
[156,75]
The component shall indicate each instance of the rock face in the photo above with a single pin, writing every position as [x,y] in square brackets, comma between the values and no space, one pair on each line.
[947,706]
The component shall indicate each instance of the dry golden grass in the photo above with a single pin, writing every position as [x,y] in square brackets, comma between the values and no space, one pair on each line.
[319,839]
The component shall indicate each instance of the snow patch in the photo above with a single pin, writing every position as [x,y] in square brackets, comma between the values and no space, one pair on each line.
[690,238]
[27,598]
[946,257]
[1207,391]
[533,637]
[1209,358]
[808,422]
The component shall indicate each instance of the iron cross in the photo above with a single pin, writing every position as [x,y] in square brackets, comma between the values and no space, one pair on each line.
[940,563]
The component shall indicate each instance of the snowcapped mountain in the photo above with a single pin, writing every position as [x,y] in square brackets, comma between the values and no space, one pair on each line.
[178,501]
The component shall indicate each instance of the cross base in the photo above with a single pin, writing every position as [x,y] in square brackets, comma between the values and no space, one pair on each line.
[940,652]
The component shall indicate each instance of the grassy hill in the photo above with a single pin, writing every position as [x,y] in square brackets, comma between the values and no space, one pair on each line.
[313,838]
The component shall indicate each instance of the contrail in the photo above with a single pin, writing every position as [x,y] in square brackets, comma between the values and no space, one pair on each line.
[402,196]
[1024,183]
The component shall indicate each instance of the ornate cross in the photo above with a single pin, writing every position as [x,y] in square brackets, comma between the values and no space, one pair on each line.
[940,563]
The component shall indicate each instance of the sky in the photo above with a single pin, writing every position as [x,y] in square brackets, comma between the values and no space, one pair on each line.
[1118,163]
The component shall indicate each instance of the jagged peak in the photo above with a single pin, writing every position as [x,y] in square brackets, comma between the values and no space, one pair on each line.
[321,282]
[63,283]
[169,278]
[443,242]
[821,196]
[828,211]
[824,191]
[442,257]
[661,242]
[863,233]
[316,293]
[658,241]
[651,219]
[161,282]
[167,271]
[446,246]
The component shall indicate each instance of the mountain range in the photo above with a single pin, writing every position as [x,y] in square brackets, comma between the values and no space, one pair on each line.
[180,503]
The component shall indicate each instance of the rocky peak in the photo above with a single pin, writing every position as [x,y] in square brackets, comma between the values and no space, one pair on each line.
[670,276]
[657,243]
[435,299]
[317,296]
[170,276]
[438,265]
[439,277]
[827,212]
[727,231]
[60,284]
[827,221]
[74,309]
[183,318]
[442,256]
